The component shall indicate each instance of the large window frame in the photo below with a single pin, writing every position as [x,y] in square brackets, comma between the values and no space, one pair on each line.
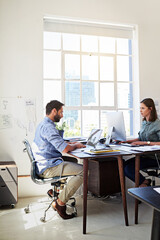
[135,92]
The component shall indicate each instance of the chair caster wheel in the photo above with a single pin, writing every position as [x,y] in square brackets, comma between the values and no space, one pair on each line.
[74,214]
[42,219]
[27,210]
[12,206]
[73,204]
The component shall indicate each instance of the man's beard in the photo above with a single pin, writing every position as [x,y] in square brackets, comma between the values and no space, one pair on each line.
[57,118]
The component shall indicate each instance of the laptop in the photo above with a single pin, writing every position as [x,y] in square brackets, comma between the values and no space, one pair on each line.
[94,137]
[92,140]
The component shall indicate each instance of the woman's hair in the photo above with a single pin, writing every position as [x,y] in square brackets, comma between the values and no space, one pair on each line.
[148,102]
[53,104]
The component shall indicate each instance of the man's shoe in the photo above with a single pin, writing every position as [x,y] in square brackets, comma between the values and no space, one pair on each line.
[62,212]
[50,193]
[146,183]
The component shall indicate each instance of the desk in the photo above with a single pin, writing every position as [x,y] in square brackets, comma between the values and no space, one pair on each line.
[85,157]
[152,198]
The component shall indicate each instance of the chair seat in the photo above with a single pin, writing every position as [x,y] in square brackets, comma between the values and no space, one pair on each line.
[48,180]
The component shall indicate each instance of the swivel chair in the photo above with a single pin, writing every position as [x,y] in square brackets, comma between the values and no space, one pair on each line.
[153,172]
[56,182]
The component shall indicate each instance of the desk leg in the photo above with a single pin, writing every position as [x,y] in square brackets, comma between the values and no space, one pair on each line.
[155,235]
[137,166]
[85,186]
[122,182]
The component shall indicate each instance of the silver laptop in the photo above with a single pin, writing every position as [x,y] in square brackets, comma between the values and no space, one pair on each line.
[94,137]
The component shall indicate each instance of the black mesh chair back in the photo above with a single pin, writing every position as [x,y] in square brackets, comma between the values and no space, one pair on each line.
[153,172]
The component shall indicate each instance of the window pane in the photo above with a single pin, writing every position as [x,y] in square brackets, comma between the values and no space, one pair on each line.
[71,42]
[72,66]
[51,91]
[124,68]
[73,121]
[52,40]
[124,46]
[89,67]
[90,121]
[107,45]
[92,72]
[89,94]
[52,64]
[125,99]
[107,94]
[89,43]
[72,93]
[106,68]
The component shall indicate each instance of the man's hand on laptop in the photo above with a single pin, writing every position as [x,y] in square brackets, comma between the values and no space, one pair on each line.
[79,145]
[72,146]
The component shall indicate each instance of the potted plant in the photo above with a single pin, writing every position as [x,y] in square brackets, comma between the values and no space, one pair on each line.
[61,128]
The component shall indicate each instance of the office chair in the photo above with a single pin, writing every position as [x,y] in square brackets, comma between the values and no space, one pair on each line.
[57,183]
[153,172]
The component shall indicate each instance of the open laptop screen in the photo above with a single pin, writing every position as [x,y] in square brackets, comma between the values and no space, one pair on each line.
[94,137]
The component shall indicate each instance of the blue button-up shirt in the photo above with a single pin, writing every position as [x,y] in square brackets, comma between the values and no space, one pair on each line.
[47,144]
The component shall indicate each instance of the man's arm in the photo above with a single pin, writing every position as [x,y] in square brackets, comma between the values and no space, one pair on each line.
[72,146]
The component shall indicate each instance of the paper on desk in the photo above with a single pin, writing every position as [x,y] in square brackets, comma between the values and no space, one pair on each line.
[137,149]
[157,189]
[146,148]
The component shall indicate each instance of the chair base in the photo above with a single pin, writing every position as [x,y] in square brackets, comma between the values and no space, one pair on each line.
[54,197]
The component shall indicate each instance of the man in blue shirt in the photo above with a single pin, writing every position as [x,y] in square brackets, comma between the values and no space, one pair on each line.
[49,145]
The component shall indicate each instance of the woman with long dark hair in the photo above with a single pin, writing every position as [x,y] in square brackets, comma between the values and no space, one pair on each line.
[149,134]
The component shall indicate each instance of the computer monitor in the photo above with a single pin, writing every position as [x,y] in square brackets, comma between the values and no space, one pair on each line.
[115,120]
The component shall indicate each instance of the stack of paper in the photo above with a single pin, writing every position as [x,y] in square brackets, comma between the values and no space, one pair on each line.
[146,148]
[137,148]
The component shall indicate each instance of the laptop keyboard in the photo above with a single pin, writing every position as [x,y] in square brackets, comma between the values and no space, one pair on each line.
[101,146]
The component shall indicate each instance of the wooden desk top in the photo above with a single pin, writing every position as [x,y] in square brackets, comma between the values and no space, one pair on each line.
[82,155]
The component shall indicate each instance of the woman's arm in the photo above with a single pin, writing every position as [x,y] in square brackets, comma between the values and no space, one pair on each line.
[148,143]
[131,140]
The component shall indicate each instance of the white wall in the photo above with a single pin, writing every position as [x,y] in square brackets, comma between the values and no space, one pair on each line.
[21,29]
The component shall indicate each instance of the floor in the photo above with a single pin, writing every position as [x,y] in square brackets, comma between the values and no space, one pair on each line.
[105,221]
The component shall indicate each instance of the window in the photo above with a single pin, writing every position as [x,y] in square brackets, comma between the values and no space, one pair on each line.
[91,75]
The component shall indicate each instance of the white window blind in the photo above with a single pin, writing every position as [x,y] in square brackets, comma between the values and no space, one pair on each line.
[89,28]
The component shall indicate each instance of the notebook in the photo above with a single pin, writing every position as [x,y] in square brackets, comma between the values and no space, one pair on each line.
[101,151]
